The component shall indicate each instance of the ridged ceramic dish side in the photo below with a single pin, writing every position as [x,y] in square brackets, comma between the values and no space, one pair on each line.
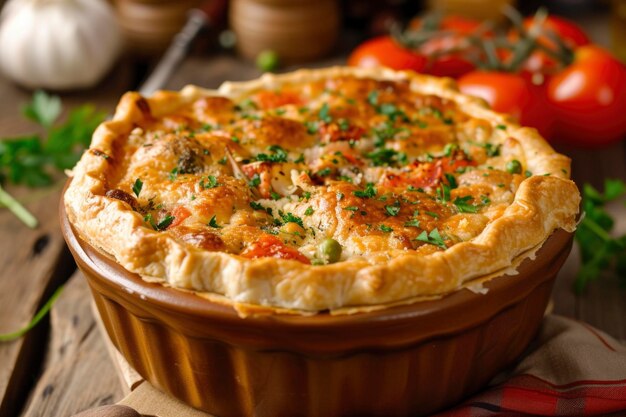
[406,360]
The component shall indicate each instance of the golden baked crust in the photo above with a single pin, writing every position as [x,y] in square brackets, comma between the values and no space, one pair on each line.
[425,189]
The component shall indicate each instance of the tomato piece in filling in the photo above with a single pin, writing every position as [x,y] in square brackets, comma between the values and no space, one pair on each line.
[268,246]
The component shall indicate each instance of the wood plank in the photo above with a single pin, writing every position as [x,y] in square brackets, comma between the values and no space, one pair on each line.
[34,261]
[78,373]
[603,303]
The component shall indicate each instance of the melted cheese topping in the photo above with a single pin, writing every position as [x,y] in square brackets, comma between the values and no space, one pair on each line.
[371,164]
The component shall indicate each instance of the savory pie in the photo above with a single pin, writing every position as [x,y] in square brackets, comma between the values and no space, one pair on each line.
[319,189]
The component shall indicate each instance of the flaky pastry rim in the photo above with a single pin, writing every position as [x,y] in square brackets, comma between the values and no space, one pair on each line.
[542,204]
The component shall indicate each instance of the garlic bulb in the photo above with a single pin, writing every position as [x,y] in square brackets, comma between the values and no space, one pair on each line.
[58,44]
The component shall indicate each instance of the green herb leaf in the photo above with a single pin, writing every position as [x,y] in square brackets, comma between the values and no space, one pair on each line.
[599,250]
[8,337]
[278,155]
[137,186]
[412,223]
[385,228]
[309,211]
[43,109]
[368,192]
[213,223]
[324,114]
[433,238]
[393,209]
[8,201]
[464,206]
[209,182]
[165,223]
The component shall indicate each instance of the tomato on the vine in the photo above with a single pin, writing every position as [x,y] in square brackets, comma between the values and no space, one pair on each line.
[447,54]
[513,94]
[567,31]
[589,98]
[386,52]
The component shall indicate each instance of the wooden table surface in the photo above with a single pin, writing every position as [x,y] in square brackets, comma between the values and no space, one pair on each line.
[62,366]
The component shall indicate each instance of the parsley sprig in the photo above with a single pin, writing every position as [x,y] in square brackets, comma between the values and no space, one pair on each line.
[32,160]
[599,250]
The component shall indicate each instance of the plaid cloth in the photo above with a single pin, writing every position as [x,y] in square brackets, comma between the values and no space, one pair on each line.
[571,369]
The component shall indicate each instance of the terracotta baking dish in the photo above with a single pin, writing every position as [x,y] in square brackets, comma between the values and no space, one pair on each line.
[406,360]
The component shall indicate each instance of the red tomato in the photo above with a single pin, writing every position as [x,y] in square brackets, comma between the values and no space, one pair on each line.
[272,247]
[513,94]
[272,99]
[568,31]
[180,213]
[441,51]
[384,51]
[589,97]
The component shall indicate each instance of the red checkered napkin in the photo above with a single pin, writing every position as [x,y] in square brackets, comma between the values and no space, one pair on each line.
[571,369]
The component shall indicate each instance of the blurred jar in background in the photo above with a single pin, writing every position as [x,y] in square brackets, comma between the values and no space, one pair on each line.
[297,30]
[618,29]
[149,25]
[475,9]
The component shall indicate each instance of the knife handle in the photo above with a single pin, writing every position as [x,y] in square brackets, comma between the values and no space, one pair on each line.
[109,411]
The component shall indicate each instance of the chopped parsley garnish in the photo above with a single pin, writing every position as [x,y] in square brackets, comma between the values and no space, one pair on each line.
[449,149]
[412,223]
[387,109]
[255,181]
[235,139]
[210,182]
[372,98]
[311,127]
[137,186]
[324,172]
[246,104]
[368,192]
[278,155]
[433,238]
[351,208]
[309,211]
[300,159]
[451,181]
[173,174]
[256,206]
[207,127]
[343,125]
[290,218]
[464,206]
[386,156]
[164,224]
[259,206]
[340,195]
[383,132]
[491,149]
[305,196]
[385,228]
[213,223]
[393,209]
[432,214]
[275,196]
[222,161]
[443,193]
[324,114]
[501,127]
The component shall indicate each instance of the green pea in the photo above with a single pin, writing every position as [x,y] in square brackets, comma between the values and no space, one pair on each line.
[267,60]
[330,250]
[514,167]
